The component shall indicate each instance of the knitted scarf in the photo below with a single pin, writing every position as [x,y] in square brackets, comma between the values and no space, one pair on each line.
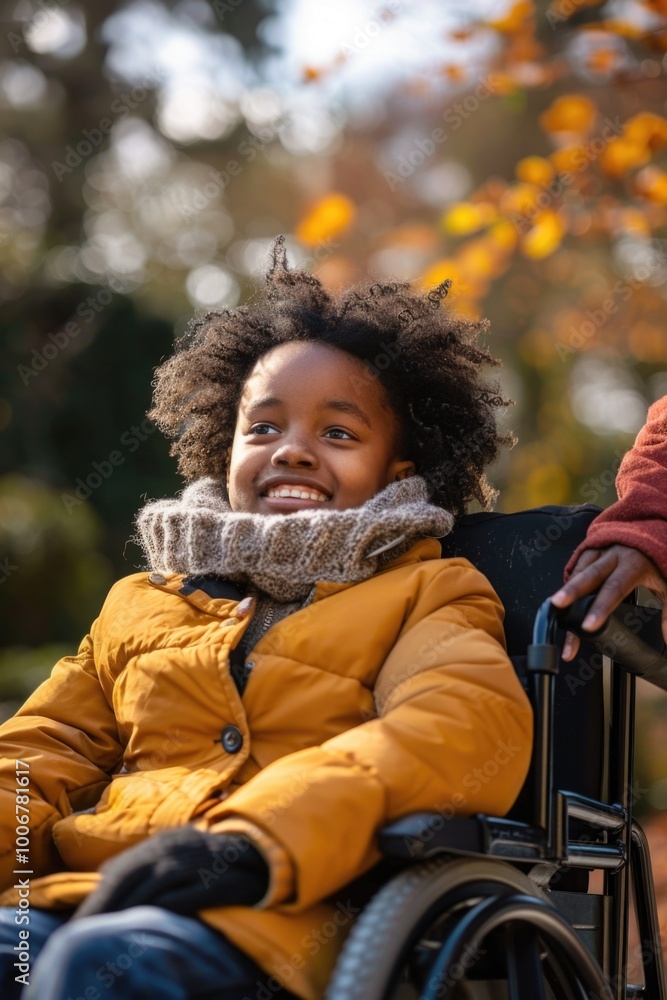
[284,555]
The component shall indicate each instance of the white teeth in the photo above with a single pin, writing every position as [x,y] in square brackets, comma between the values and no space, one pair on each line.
[286,491]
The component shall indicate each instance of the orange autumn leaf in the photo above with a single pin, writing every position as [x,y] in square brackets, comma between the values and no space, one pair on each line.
[504,83]
[310,73]
[545,237]
[515,19]
[534,170]
[601,59]
[646,128]
[569,113]
[616,26]
[454,72]
[647,341]
[479,259]
[519,198]
[491,190]
[330,215]
[568,158]
[621,156]
[564,9]
[415,235]
[625,218]
[652,182]
[468,309]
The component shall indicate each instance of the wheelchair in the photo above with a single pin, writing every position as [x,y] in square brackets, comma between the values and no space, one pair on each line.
[500,908]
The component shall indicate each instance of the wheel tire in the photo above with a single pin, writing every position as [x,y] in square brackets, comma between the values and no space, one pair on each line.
[366,967]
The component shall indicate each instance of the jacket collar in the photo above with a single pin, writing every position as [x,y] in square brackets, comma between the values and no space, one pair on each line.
[225,595]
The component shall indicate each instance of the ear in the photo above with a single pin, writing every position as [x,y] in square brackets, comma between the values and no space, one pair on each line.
[403,469]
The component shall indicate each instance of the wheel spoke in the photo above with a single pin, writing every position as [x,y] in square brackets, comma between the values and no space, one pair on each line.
[438,930]
[525,980]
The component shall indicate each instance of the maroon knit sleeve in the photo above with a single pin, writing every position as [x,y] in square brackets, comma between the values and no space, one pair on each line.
[639,517]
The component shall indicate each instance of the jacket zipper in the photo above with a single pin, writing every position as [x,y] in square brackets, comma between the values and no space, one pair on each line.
[268,618]
[249,664]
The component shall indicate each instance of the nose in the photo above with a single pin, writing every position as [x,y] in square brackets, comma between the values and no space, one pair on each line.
[295,451]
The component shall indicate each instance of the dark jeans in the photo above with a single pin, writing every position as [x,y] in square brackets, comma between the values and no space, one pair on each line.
[136,954]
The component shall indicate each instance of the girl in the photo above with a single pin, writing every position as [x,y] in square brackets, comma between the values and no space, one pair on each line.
[208,774]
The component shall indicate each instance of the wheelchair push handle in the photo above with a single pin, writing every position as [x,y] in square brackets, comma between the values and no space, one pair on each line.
[631,636]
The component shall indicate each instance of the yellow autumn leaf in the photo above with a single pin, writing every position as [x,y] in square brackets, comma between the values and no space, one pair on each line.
[534,170]
[569,113]
[466,217]
[479,259]
[503,234]
[329,216]
[441,269]
[545,236]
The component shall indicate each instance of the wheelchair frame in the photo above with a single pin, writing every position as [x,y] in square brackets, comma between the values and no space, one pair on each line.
[618,845]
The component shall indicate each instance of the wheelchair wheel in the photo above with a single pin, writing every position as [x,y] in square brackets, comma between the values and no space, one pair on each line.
[463,929]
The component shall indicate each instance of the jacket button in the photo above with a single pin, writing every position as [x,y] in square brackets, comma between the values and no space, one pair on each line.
[157,578]
[232,739]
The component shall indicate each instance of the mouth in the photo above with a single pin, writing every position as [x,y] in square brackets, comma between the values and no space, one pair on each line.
[293,496]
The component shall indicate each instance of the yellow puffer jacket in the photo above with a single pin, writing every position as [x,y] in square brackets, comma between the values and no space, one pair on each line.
[375,700]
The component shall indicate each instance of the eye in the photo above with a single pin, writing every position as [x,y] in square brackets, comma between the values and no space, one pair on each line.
[253,430]
[339,430]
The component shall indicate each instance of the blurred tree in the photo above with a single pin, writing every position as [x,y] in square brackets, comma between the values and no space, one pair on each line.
[158,147]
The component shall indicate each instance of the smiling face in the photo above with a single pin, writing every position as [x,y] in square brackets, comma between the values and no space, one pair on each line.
[311,420]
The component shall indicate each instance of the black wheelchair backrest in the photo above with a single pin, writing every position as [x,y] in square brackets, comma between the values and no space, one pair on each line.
[523,555]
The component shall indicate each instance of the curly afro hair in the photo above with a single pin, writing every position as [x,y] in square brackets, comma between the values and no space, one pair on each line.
[424,357]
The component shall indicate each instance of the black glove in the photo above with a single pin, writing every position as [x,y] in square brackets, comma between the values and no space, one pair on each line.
[183,870]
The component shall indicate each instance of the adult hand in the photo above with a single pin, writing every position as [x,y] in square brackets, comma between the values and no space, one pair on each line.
[183,870]
[615,572]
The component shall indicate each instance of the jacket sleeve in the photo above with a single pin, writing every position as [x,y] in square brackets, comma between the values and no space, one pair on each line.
[453,734]
[639,517]
[66,734]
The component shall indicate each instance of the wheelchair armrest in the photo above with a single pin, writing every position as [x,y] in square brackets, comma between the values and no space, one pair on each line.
[424,834]
[631,636]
